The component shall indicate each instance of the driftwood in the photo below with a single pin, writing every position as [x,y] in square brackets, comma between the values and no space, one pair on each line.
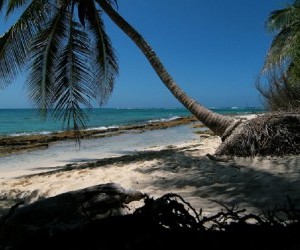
[64,212]
[274,134]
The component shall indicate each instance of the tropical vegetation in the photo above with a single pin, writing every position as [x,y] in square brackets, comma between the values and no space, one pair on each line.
[70,60]
[281,68]
[284,51]
[279,92]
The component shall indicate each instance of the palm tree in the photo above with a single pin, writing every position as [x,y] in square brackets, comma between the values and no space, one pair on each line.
[219,124]
[284,51]
[65,71]
[68,64]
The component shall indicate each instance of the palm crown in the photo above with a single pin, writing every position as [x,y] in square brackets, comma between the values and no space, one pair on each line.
[68,53]
[285,47]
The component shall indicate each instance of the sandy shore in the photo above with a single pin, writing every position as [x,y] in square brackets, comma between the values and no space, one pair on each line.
[254,184]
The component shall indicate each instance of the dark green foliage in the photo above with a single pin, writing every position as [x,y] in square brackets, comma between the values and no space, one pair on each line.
[285,47]
[282,63]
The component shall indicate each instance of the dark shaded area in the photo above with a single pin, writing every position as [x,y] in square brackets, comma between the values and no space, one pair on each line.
[169,223]
[255,188]
[274,134]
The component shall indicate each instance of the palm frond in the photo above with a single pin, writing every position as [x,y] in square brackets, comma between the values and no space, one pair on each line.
[284,48]
[73,80]
[278,50]
[15,43]
[279,19]
[85,9]
[113,2]
[44,51]
[14,4]
[2,4]
[105,62]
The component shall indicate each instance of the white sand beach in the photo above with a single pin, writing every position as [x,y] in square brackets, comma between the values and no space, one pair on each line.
[254,184]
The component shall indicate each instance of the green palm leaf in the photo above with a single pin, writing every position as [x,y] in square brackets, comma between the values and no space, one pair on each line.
[13,4]
[73,88]
[15,43]
[285,47]
[69,64]
[279,19]
[44,51]
[105,64]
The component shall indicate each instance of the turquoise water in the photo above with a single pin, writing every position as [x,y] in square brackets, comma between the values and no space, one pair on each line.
[16,122]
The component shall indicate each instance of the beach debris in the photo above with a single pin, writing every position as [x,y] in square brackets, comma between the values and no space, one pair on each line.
[274,134]
[220,158]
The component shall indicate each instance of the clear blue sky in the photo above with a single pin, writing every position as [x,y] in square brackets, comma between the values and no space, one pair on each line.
[214,49]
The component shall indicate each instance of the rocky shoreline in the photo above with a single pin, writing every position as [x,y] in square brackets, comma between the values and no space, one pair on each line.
[17,144]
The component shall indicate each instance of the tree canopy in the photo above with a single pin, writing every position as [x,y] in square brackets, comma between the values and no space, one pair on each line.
[69,55]
[284,51]
[281,68]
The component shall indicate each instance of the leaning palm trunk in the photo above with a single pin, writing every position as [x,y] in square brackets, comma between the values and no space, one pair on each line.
[221,125]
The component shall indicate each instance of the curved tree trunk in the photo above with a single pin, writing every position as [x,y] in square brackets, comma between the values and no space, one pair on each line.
[221,125]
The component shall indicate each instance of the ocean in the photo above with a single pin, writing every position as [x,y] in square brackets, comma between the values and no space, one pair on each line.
[16,122]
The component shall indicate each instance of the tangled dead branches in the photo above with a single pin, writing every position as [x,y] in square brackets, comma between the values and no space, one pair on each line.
[172,212]
[169,222]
